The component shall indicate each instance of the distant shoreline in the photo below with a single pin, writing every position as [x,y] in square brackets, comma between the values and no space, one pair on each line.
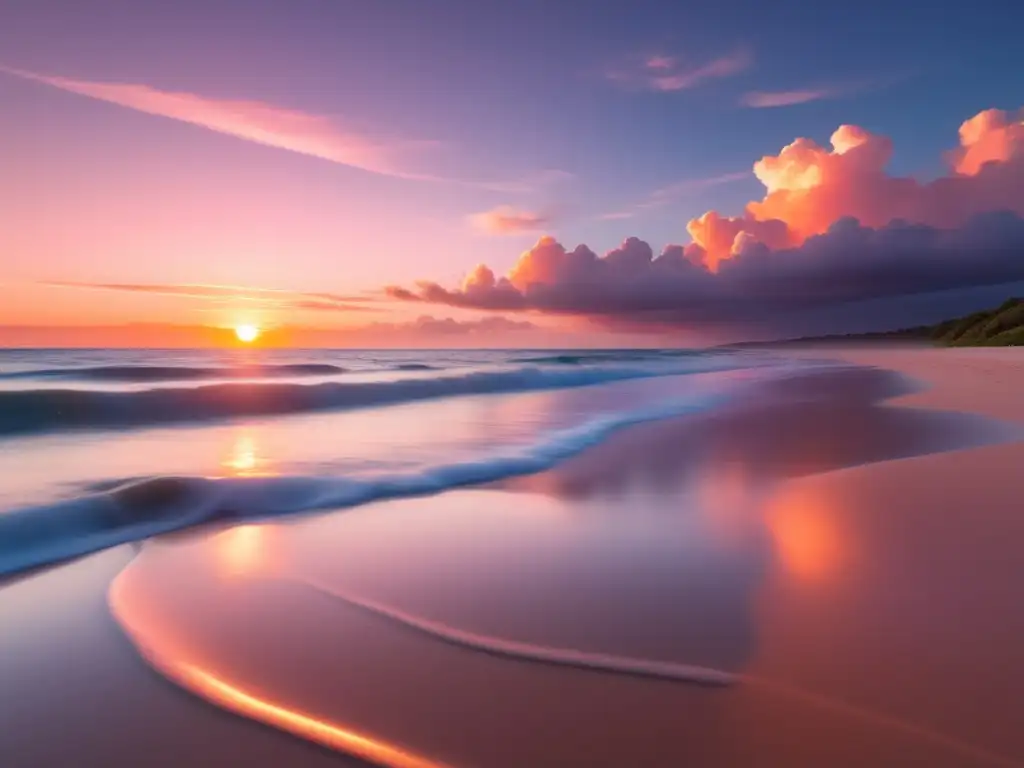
[1002,326]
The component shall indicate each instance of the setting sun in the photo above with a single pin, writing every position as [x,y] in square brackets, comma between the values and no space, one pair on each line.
[247,333]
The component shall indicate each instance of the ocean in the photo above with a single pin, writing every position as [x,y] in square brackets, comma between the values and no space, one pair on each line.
[100,447]
[509,558]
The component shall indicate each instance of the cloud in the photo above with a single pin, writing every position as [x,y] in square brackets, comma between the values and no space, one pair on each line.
[506,220]
[809,187]
[794,96]
[446,326]
[272,298]
[425,330]
[849,262]
[279,127]
[833,227]
[764,99]
[671,73]
[992,136]
[254,121]
[673,192]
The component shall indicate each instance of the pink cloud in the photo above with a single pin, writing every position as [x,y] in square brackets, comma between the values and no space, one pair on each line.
[990,136]
[833,226]
[632,286]
[282,128]
[506,220]
[269,298]
[670,73]
[253,121]
[765,99]
[719,236]
[809,187]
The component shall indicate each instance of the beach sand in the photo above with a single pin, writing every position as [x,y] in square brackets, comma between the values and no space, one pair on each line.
[848,551]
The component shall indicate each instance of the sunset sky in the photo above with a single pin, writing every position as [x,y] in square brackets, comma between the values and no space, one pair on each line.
[334,171]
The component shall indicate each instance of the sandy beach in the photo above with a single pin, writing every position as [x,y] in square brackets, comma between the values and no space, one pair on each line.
[511,385]
[844,551]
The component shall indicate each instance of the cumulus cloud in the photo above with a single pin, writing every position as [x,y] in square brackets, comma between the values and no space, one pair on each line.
[672,73]
[506,220]
[447,326]
[809,187]
[992,136]
[833,227]
[849,262]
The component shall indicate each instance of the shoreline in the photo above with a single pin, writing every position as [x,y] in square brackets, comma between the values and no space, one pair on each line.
[795,591]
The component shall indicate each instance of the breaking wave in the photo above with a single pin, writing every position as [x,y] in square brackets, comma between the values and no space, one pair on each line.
[40,535]
[37,410]
[153,373]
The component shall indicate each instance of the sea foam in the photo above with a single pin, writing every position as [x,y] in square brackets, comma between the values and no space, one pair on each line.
[44,409]
[35,536]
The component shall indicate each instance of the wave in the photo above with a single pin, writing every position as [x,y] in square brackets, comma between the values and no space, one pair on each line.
[414,367]
[154,373]
[607,356]
[37,536]
[524,651]
[26,411]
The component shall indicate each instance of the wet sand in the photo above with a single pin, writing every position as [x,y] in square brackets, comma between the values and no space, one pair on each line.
[852,561]
[76,693]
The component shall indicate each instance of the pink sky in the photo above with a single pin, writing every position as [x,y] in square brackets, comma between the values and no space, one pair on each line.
[342,189]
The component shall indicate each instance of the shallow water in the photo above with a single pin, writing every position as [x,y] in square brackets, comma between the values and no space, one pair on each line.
[609,592]
[89,464]
[557,625]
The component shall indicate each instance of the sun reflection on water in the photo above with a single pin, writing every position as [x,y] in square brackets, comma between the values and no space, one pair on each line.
[244,459]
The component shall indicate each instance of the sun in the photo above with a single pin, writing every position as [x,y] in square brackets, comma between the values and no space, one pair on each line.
[247,333]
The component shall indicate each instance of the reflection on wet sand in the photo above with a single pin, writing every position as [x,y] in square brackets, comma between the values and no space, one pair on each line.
[806,537]
[659,548]
[244,550]
[329,735]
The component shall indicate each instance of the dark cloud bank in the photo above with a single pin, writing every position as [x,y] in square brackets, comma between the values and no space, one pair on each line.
[849,263]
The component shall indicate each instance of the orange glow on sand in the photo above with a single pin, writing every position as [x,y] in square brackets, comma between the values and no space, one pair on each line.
[808,543]
[247,333]
[159,646]
[306,726]
[244,550]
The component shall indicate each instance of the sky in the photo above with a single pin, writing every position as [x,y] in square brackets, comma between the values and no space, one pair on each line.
[337,171]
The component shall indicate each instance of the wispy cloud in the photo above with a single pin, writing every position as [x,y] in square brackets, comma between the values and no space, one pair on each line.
[673,192]
[272,298]
[672,73]
[254,121]
[426,329]
[767,99]
[280,127]
[820,91]
[506,220]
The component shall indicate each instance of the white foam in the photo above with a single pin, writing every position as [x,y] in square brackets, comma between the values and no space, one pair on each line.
[523,651]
